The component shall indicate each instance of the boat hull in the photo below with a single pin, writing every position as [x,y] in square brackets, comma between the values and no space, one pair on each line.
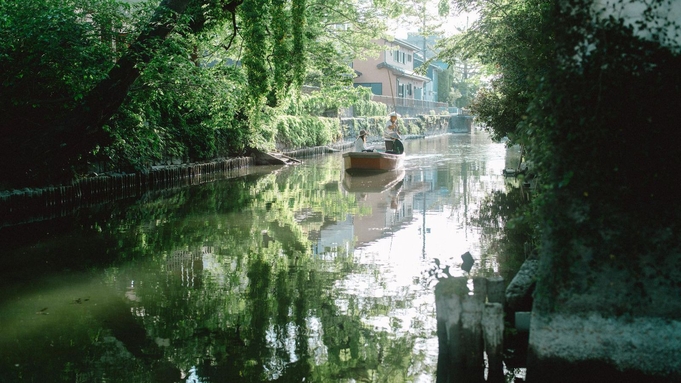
[372,161]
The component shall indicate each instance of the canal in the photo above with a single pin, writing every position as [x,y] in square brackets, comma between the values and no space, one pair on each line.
[290,274]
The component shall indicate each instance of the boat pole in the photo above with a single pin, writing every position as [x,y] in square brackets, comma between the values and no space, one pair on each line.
[397,127]
[392,93]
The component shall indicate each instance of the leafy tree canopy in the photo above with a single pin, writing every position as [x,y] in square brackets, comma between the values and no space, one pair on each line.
[129,84]
[511,44]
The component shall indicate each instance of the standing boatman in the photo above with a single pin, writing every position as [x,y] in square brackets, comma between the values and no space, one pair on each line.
[390,134]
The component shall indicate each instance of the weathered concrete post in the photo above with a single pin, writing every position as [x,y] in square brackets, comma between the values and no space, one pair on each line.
[519,291]
[496,290]
[459,317]
[461,324]
[493,327]
[448,313]
[493,332]
[471,339]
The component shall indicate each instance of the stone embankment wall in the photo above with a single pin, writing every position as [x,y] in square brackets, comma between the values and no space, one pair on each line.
[27,205]
[607,303]
[420,125]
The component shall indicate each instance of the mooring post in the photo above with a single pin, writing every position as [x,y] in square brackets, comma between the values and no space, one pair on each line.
[448,314]
[480,288]
[496,290]
[472,342]
[459,315]
[493,332]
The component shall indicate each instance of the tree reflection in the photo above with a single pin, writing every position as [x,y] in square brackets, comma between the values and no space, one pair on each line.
[235,281]
[219,283]
[504,219]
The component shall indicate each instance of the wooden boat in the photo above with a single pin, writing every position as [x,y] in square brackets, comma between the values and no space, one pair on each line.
[372,161]
[372,182]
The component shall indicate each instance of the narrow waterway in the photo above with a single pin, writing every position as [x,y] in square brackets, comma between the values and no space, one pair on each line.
[286,274]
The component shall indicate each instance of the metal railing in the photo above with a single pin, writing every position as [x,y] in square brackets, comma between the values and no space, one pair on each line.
[410,105]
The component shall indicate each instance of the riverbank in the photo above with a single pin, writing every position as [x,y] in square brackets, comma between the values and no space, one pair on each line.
[25,205]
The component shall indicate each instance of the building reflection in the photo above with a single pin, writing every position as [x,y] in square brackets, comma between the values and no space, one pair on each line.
[444,188]
[385,204]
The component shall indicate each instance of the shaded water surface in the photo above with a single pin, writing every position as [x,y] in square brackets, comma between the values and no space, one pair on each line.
[285,274]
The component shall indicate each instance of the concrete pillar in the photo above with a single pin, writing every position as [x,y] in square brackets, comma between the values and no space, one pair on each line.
[448,313]
[496,290]
[493,333]
[459,317]
[471,339]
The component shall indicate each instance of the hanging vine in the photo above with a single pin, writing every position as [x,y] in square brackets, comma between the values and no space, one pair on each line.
[299,57]
[255,14]
[281,51]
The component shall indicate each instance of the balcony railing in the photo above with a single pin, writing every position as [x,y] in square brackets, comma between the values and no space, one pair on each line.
[411,106]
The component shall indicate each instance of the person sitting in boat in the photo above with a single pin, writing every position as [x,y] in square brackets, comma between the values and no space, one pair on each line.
[391,135]
[361,142]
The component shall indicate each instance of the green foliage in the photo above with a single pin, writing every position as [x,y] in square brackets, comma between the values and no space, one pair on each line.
[51,54]
[591,94]
[444,85]
[500,112]
[182,111]
[374,126]
[298,27]
[254,14]
[465,72]
[364,106]
[519,45]
[328,71]
[328,101]
[302,131]
[347,26]
[208,88]
[369,108]
[616,97]
[282,49]
[509,228]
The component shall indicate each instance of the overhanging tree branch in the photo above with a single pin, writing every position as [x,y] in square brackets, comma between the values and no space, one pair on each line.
[81,129]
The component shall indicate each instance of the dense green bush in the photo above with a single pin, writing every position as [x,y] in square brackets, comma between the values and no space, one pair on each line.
[180,110]
[301,131]
[329,101]
[363,106]
[366,108]
[52,53]
[592,94]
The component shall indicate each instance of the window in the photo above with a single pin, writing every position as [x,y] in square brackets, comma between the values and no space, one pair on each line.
[400,90]
[418,93]
[409,89]
[400,56]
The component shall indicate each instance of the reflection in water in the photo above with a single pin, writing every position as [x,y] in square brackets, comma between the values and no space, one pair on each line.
[300,274]
[372,182]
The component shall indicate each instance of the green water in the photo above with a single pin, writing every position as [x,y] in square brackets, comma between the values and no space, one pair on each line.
[292,274]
